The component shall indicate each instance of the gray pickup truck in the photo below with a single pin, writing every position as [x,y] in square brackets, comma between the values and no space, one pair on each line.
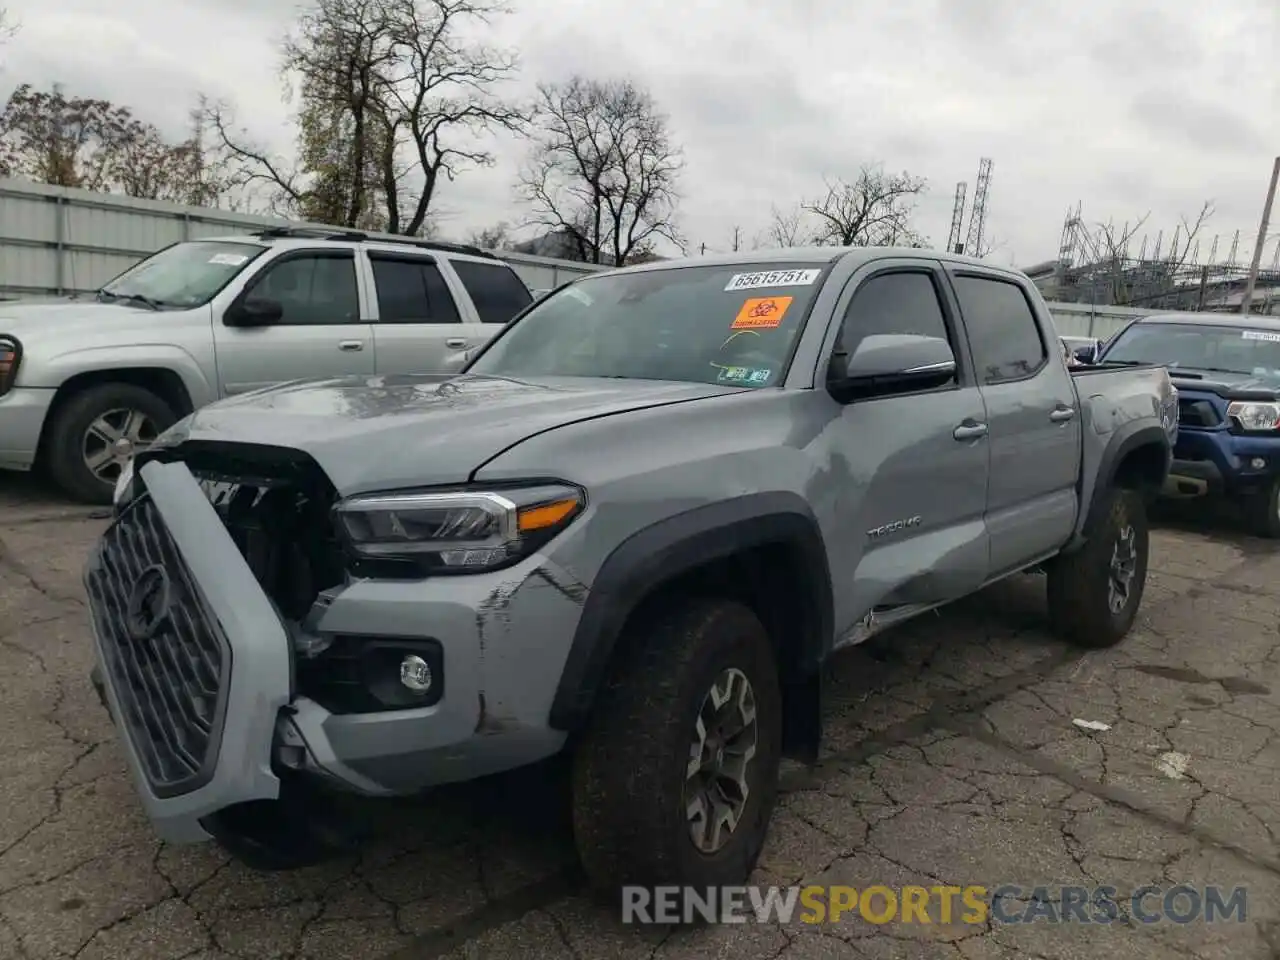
[85,383]
[630,533]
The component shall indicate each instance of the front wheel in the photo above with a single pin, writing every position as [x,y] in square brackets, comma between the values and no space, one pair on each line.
[1262,511]
[1094,593]
[94,433]
[676,778]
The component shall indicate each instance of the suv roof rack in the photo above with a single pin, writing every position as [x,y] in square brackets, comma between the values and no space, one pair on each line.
[356,236]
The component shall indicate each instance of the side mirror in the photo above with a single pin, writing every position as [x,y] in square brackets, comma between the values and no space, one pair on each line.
[890,363]
[1087,353]
[253,312]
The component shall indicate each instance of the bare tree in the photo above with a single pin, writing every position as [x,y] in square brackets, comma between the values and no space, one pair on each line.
[735,241]
[495,237]
[604,170]
[786,228]
[872,209]
[1128,278]
[391,99]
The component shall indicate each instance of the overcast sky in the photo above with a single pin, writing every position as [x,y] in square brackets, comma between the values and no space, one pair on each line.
[1127,106]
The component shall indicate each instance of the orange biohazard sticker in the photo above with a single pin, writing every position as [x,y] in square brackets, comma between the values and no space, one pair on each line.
[761,312]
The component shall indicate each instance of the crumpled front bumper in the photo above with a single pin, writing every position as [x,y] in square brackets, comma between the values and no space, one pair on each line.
[148,680]
[499,675]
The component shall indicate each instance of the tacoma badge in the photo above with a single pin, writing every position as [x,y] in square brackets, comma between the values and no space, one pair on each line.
[897,525]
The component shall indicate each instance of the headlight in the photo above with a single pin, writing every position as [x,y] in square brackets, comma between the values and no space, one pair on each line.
[1255,416]
[461,531]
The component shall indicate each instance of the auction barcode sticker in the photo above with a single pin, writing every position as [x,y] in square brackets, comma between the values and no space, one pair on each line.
[772,278]
[1260,335]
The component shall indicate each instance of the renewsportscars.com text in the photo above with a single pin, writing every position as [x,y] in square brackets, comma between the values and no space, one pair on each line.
[1006,904]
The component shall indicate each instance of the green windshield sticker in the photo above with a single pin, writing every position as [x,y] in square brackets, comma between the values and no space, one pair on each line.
[756,376]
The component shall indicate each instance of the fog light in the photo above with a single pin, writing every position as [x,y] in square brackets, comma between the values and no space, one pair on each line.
[1257,463]
[415,674]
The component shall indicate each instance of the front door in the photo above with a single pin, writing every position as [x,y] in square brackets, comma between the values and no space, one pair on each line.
[1033,423]
[320,333]
[910,483]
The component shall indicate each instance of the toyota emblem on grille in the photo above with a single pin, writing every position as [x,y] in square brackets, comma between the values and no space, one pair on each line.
[148,603]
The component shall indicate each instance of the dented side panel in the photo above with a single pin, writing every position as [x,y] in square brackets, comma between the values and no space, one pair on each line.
[505,637]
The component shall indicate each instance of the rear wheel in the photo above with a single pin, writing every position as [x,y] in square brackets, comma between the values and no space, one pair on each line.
[95,432]
[675,780]
[1094,593]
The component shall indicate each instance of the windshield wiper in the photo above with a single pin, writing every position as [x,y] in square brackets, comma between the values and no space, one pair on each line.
[129,298]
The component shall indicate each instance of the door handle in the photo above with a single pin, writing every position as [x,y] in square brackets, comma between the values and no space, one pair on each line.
[969,430]
[456,342]
[1062,414]
[351,345]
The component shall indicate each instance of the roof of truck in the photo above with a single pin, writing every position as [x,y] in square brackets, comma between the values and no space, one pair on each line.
[1256,320]
[814,254]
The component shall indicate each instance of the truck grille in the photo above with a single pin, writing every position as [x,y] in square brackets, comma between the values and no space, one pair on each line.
[1197,413]
[167,662]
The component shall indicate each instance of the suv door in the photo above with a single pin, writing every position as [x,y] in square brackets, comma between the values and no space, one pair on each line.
[419,327]
[1032,421]
[320,333]
[911,490]
[496,290]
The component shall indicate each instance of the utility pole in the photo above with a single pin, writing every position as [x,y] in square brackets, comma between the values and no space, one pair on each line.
[1247,300]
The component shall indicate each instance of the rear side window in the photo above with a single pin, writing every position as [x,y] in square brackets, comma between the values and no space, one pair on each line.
[494,288]
[1002,329]
[411,290]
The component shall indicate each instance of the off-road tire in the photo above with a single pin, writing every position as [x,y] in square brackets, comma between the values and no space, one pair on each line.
[629,769]
[1078,582]
[72,419]
[1262,511]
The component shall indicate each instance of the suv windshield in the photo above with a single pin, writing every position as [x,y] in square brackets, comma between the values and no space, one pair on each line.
[182,276]
[1203,347]
[733,324]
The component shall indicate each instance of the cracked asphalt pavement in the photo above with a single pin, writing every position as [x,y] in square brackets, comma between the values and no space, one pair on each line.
[951,758]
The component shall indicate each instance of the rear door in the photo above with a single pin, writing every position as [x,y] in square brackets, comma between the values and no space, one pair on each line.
[1032,421]
[321,333]
[496,292]
[419,326]
[910,468]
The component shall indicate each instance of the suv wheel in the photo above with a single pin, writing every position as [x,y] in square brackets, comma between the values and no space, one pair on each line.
[1094,593]
[676,777]
[96,431]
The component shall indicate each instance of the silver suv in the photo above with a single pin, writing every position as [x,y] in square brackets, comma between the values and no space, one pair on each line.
[86,383]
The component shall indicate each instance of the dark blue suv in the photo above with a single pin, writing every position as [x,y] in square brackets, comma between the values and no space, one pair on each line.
[1227,371]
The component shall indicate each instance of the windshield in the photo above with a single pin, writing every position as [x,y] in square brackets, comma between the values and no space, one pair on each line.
[182,276]
[1202,347]
[731,324]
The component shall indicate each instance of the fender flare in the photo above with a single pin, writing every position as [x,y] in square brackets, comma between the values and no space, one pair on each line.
[144,356]
[658,553]
[1126,439]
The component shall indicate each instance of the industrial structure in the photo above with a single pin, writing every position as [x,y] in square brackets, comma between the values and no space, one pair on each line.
[974,237]
[1105,265]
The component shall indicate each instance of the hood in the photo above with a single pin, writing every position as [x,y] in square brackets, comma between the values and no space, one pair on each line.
[1229,386]
[25,318]
[395,432]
